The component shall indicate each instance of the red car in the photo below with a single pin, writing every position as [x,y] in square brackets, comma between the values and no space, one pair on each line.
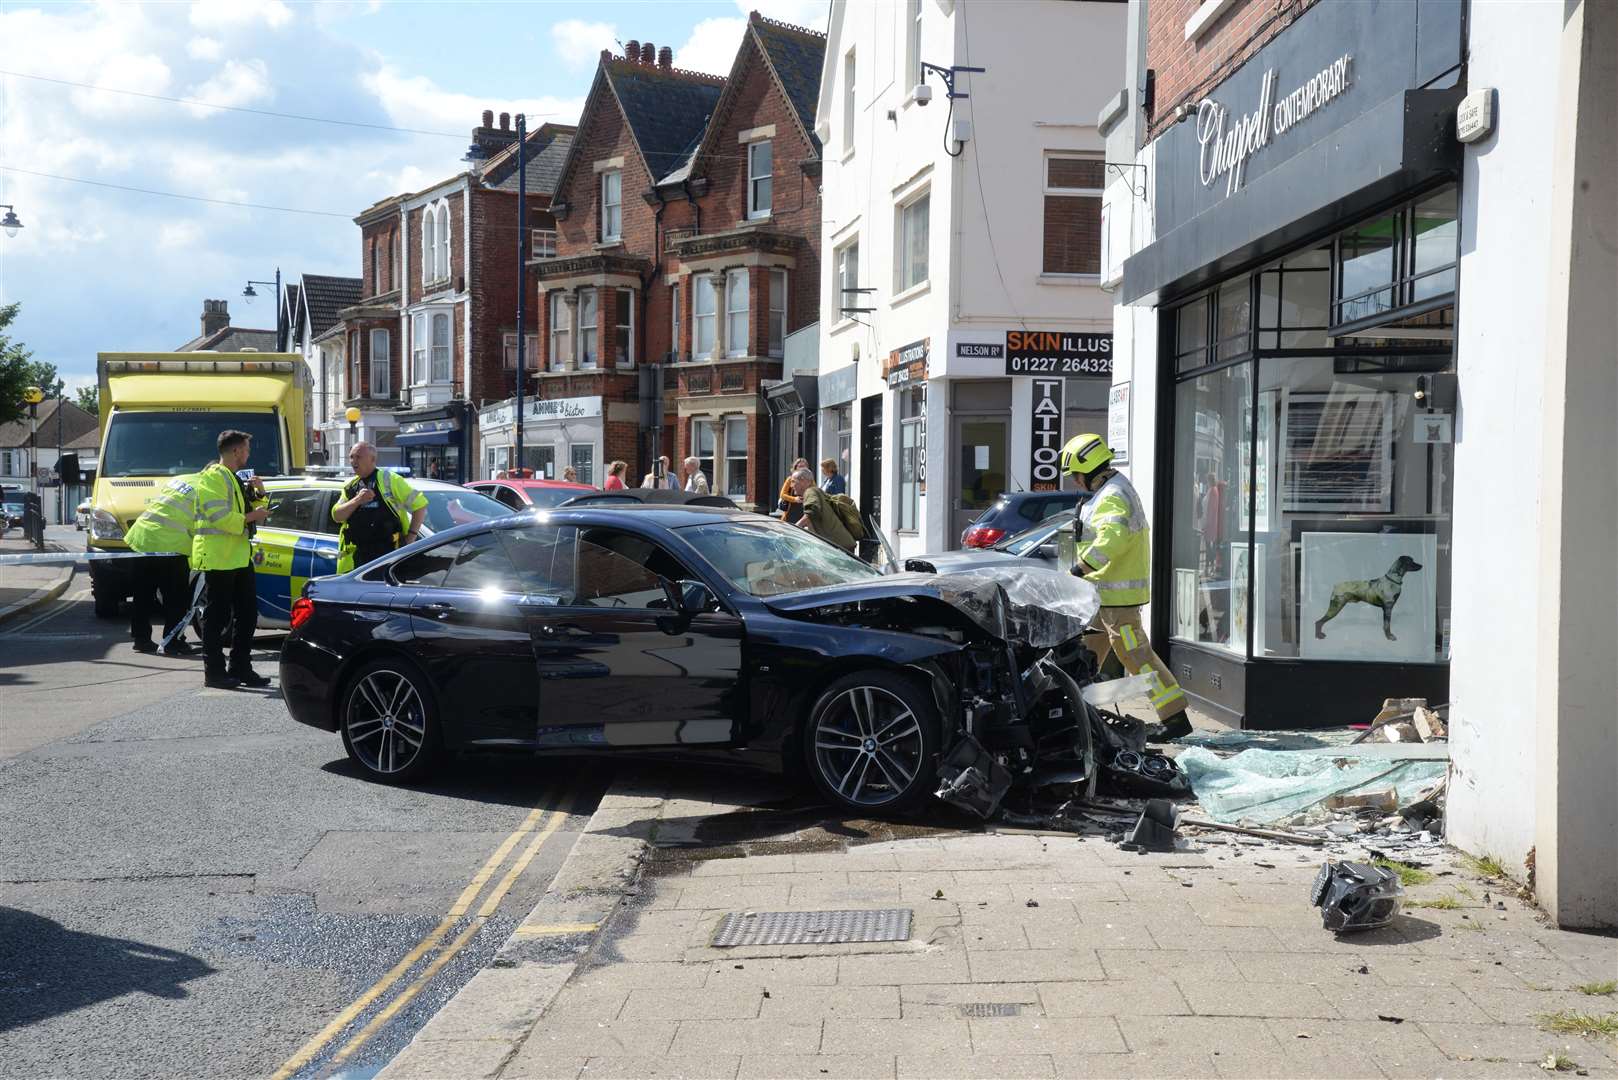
[528,494]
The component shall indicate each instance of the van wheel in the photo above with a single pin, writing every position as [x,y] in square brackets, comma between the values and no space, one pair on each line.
[871,743]
[106,604]
[389,723]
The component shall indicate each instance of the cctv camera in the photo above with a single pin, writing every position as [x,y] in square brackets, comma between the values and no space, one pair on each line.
[922,93]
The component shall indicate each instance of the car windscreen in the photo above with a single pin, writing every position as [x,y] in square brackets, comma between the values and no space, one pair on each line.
[178,442]
[768,558]
[449,507]
[1031,538]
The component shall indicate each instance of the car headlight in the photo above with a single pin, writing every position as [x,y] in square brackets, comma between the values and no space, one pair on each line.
[103,526]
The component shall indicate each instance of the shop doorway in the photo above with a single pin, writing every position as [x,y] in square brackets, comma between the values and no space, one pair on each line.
[871,458]
[980,468]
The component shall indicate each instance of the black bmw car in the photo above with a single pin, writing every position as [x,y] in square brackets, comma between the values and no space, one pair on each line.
[699,631]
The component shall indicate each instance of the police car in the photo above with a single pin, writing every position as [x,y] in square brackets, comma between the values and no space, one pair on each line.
[299,539]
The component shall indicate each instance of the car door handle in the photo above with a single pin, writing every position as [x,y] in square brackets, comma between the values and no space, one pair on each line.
[438,609]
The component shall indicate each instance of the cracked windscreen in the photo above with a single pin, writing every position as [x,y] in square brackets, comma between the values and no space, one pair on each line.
[1029,539]
[768,558]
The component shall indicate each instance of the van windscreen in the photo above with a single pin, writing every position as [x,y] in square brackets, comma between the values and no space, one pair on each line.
[178,442]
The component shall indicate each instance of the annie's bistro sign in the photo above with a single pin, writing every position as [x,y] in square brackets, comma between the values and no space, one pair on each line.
[1227,142]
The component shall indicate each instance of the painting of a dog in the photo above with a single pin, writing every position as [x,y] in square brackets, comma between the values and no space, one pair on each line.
[1382,592]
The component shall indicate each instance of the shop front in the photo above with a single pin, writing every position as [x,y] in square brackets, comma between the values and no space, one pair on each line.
[435,442]
[557,433]
[1304,278]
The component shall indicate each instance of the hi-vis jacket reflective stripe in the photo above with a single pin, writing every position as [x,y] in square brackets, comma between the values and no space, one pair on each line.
[1114,548]
[221,537]
[166,526]
[397,495]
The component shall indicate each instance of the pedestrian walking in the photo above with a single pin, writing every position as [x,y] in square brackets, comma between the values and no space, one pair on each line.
[696,481]
[379,511]
[789,504]
[228,508]
[831,481]
[161,582]
[1114,554]
[615,476]
[820,514]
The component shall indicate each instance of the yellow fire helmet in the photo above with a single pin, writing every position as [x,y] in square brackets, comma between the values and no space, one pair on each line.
[1084,454]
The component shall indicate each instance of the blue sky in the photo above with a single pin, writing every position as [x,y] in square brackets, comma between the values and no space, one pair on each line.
[98,269]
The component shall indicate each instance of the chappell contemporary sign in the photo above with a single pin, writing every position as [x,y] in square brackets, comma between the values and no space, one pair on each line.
[1227,141]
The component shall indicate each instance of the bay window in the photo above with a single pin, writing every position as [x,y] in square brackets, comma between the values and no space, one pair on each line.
[735,458]
[441,347]
[418,349]
[353,364]
[380,348]
[589,353]
[703,315]
[736,312]
[702,448]
[561,330]
[625,336]
[760,178]
[778,312]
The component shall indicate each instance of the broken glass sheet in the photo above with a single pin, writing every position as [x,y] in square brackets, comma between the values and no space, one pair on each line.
[1044,608]
[1267,786]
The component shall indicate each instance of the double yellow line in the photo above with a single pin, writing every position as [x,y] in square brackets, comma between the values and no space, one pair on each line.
[538,827]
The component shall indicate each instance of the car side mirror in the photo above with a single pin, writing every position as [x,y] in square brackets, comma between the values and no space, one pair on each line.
[692,598]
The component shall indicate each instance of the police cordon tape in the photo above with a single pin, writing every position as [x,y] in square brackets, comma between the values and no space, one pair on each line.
[65,558]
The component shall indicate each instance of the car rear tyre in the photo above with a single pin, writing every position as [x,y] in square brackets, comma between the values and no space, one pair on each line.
[389,722]
[871,743]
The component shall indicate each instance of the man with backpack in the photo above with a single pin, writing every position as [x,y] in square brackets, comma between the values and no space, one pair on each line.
[834,517]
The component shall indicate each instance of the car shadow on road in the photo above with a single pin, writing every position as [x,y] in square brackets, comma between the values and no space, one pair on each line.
[502,779]
[47,969]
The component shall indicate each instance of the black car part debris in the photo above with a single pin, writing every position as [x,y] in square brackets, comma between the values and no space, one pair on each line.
[1127,767]
[1356,896]
[1155,829]
[972,779]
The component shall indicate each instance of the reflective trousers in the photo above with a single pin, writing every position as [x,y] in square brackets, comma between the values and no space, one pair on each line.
[1127,637]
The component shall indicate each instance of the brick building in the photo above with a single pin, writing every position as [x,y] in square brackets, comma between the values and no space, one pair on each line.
[688,229]
[433,335]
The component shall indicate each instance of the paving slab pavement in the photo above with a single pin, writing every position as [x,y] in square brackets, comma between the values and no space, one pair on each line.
[24,589]
[1200,962]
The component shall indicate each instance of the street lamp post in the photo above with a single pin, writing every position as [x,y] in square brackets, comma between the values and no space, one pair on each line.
[33,396]
[352,415]
[250,295]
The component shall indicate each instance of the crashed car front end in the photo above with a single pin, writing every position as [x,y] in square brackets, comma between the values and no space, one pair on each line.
[1012,716]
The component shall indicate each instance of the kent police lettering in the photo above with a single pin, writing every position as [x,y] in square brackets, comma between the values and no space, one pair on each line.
[1044,352]
[1227,144]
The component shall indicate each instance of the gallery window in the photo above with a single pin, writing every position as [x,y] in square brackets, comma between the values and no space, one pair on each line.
[1314,464]
[737,304]
[760,179]
[624,331]
[1072,241]
[589,354]
[778,312]
[380,350]
[612,199]
[912,455]
[704,307]
[561,330]
[910,243]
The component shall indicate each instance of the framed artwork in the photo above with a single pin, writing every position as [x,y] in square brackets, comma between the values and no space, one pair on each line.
[1338,448]
[1185,604]
[1241,571]
[1369,596]
[1264,448]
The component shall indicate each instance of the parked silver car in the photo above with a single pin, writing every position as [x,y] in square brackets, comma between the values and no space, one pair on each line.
[1036,545]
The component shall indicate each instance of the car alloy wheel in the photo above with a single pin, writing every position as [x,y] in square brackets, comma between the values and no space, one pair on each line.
[387,727]
[872,741]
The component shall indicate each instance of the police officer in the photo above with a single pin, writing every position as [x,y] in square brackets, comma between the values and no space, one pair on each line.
[379,511]
[164,532]
[227,509]
[1114,554]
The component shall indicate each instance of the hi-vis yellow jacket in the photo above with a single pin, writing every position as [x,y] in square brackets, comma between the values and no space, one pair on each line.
[221,539]
[398,496]
[1115,544]
[166,526]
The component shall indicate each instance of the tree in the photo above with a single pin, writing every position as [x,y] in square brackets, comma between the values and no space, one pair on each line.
[89,399]
[16,369]
[45,376]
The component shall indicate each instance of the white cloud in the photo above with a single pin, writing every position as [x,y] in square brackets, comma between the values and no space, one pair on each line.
[203,48]
[579,43]
[806,13]
[712,46]
[229,14]
[239,82]
[180,236]
[416,101]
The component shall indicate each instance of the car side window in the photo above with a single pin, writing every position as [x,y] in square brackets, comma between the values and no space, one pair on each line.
[426,568]
[543,557]
[299,509]
[510,498]
[1029,509]
[482,563]
[621,569]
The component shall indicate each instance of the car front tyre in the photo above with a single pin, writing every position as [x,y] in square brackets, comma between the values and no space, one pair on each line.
[389,722]
[871,743]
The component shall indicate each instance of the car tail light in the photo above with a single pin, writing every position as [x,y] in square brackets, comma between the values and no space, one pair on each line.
[302,609]
[982,536]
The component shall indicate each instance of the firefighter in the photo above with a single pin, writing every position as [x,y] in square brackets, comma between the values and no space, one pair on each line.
[164,531]
[1114,554]
[228,507]
[379,511]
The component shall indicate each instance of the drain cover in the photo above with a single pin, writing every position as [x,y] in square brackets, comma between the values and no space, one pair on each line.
[812,927]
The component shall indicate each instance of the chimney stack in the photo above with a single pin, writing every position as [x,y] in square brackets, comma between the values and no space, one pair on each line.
[494,139]
[665,58]
[648,54]
[632,51]
[216,316]
[488,118]
[505,121]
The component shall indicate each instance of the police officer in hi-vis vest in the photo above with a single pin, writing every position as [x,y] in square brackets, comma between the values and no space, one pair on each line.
[1114,554]
[379,511]
[164,532]
[228,508]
